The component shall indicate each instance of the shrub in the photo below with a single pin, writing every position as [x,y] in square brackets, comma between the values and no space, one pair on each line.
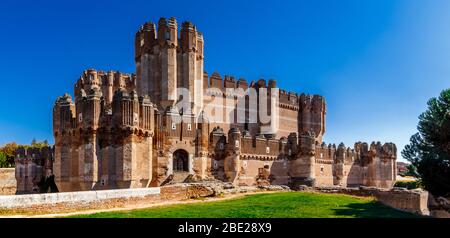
[408,184]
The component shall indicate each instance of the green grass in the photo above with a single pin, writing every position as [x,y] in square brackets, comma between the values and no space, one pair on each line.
[272,205]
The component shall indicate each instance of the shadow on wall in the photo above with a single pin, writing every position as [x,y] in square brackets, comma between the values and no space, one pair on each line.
[372,209]
[279,171]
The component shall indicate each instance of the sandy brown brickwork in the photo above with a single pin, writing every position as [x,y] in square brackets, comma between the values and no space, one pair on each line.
[7,181]
[158,126]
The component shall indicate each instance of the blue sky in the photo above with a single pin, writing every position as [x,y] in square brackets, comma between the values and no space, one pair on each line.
[377,62]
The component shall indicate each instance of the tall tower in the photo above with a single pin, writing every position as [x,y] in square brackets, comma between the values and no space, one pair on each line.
[165,62]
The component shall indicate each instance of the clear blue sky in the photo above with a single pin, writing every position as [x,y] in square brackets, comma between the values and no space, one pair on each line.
[377,62]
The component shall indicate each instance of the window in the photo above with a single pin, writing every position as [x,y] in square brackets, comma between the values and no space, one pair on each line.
[290,152]
[142,42]
[267,149]
[321,169]
[221,146]
[236,143]
[135,118]
[189,126]
[80,117]
[174,126]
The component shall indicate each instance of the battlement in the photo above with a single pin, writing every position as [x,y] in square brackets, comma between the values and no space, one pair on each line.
[312,114]
[98,107]
[323,153]
[39,156]
[92,78]
[357,155]
[250,146]
[166,35]
[33,166]
[289,100]
[312,102]
[223,85]
[376,149]
[229,82]
[66,99]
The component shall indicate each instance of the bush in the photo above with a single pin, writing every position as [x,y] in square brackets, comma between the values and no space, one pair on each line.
[408,184]
[4,160]
[7,155]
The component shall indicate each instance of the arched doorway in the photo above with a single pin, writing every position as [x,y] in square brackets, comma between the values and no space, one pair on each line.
[180,161]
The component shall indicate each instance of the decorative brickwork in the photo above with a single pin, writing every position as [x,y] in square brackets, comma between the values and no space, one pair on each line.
[128,131]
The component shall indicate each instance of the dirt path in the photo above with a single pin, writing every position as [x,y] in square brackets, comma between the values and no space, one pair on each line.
[138,204]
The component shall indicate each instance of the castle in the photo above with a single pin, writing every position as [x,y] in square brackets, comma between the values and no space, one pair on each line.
[141,130]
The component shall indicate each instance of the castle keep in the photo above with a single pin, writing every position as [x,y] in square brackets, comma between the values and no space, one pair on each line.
[140,130]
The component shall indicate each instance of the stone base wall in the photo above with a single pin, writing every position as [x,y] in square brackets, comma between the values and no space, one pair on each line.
[105,199]
[415,201]
[353,175]
[30,200]
[8,183]
[323,174]
[277,172]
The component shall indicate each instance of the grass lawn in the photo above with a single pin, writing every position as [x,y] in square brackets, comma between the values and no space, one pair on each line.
[271,205]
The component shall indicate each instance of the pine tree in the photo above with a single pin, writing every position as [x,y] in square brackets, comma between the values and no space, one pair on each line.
[429,149]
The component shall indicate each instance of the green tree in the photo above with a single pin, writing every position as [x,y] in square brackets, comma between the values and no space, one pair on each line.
[7,155]
[4,160]
[412,170]
[429,149]
[39,144]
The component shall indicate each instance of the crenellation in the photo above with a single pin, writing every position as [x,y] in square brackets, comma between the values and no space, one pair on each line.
[312,116]
[189,37]
[229,82]
[163,31]
[34,168]
[288,100]
[216,81]
[242,83]
[350,156]
[272,83]
[261,83]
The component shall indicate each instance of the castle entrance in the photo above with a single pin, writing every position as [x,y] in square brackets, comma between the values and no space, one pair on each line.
[180,161]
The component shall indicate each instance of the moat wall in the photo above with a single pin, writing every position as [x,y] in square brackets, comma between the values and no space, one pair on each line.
[414,201]
[30,200]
